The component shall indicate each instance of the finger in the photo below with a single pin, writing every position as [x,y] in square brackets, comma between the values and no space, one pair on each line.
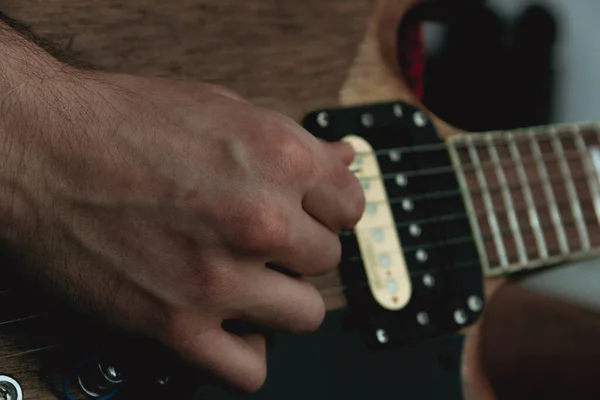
[338,200]
[238,360]
[312,248]
[274,300]
[344,151]
[257,342]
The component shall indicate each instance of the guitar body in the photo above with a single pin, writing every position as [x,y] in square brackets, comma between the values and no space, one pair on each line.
[294,57]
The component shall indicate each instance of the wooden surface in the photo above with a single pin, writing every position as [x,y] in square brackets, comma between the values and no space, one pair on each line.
[289,55]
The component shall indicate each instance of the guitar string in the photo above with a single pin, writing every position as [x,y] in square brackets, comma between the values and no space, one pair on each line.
[570,155]
[453,216]
[483,138]
[402,150]
[505,233]
[458,192]
[324,292]
[433,219]
[31,351]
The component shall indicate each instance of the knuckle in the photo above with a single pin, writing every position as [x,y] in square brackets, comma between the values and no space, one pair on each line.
[215,285]
[174,332]
[263,228]
[291,157]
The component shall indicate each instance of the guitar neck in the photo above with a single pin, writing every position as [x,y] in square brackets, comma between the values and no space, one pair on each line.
[532,196]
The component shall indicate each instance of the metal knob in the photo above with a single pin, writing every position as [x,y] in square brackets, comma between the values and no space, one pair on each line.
[10,389]
[98,379]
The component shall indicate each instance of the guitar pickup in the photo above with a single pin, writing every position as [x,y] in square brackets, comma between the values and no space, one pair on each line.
[410,269]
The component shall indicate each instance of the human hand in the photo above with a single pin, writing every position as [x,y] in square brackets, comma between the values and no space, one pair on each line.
[156,205]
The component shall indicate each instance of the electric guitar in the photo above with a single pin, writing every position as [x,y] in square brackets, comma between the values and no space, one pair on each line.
[445,209]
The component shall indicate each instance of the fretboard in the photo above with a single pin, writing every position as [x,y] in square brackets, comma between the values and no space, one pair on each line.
[532,196]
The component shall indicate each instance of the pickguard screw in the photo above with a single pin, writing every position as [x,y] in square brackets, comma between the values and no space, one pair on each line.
[163,380]
[323,119]
[415,230]
[407,205]
[367,120]
[401,180]
[382,336]
[423,318]
[398,112]
[395,155]
[475,304]
[419,119]
[428,280]
[460,317]
[421,256]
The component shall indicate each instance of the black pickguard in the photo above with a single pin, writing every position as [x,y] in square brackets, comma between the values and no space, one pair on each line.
[438,211]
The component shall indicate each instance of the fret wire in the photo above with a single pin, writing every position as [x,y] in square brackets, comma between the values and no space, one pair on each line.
[571,192]
[489,206]
[549,194]
[589,169]
[534,220]
[468,200]
[512,216]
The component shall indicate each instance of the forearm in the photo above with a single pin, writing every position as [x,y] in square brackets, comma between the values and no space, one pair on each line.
[33,85]
[536,346]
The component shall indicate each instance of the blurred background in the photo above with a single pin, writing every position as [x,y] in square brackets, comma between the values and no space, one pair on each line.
[513,62]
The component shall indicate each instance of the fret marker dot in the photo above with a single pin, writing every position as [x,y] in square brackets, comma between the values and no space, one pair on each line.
[371,209]
[378,235]
[384,261]
[421,255]
[407,205]
[460,317]
[401,180]
[414,230]
[428,280]
[423,318]
[395,155]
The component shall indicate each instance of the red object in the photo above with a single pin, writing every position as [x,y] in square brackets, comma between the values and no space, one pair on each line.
[411,53]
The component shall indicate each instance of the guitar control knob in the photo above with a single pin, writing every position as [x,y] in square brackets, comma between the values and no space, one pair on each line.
[98,379]
[10,389]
